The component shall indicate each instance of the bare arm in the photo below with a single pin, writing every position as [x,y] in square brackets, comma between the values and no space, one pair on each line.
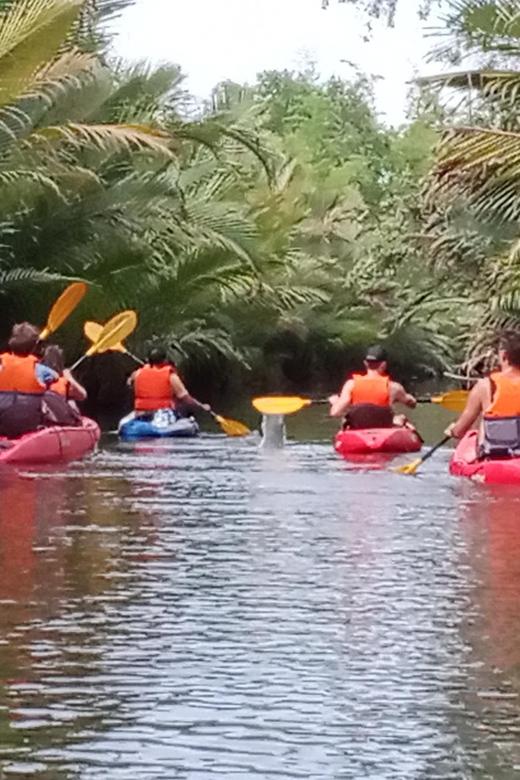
[180,392]
[474,408]
[340,403]
[131,379]
[76,391]
[399,395]
[177,386]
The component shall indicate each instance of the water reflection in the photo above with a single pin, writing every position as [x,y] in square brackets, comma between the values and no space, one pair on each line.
[491,520]
[65,548]
[205,609]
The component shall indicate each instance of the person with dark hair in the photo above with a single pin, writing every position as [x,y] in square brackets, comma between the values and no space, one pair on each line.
[367,399]
[23,382]
[497,400]
[20,368]
[65,385]
[157,385]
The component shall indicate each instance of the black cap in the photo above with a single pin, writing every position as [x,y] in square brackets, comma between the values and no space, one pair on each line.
[376,354]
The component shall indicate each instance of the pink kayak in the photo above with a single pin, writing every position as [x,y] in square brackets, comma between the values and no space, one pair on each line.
[54,444]
[498,471]
[365,441]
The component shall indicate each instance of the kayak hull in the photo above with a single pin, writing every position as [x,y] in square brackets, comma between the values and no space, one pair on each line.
[133,430]
[368,441]
[498,471]
[54,444]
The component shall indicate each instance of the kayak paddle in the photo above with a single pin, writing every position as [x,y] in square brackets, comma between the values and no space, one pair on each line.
[231,427]
[281,404]
[455,401]
[65,304]
[116,330]
[411,468]
[92,331]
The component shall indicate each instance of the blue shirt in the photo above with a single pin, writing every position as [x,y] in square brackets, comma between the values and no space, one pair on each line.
[44,374]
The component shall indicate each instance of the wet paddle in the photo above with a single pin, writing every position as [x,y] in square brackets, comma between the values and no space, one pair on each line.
[230,427]
[64,306]
[116,330]
[411,468]
[454,401]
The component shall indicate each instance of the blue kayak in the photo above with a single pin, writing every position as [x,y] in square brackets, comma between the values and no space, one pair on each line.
[163,424]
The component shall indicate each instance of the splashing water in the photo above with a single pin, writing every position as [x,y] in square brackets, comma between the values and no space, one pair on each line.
[273,431]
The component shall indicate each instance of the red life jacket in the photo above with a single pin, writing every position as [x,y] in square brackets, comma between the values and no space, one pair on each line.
[506,398]
[60,386]
[152,388]
[18,374]
[371,390]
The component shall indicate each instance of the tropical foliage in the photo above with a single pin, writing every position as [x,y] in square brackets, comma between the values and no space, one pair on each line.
[474,187]
[277,232]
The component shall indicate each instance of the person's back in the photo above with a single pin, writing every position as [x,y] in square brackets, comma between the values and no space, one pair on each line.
[496,399]
[22,383]
[153,384]
[371,388]
[157,385]
[505,393]
[65,385]
[18,367]
[367,399]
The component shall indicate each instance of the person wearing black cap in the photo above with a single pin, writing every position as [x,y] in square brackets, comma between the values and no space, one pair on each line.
[367,399]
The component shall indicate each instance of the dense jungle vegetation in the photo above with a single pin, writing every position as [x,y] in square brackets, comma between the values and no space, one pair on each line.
[268,236]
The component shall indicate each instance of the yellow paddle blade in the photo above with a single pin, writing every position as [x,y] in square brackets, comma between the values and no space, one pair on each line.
[409,468]
[117,329]
[232,427]
[455,401]
[93,330]
[280,404]
[65,304]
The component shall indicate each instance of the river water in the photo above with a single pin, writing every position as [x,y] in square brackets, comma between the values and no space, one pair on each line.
[203,609]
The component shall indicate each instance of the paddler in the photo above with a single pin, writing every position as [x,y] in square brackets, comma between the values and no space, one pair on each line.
[21,369]
[157,385]
[367,399]
[23,381]
[65,385]
[495,399]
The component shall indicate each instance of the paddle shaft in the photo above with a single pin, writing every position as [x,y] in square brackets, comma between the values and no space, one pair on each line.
[427,399]
[433,450]
[134,357]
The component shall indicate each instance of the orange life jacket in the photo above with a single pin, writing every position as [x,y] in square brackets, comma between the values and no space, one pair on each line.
[18,374]
[60,386]
[152,388]
[506,398]
[371,390]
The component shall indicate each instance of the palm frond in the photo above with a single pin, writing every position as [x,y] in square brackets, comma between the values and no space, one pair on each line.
[23,276]
[483,167]
[31,32]
[106,138]
[470,26]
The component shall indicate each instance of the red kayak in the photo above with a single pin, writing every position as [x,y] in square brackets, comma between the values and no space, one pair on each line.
[366,441]
[498,471]
[54,444]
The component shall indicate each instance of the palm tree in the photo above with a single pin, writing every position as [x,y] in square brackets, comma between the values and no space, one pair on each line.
[474,188]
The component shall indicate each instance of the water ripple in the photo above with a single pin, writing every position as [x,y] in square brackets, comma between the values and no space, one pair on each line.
[204,610]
